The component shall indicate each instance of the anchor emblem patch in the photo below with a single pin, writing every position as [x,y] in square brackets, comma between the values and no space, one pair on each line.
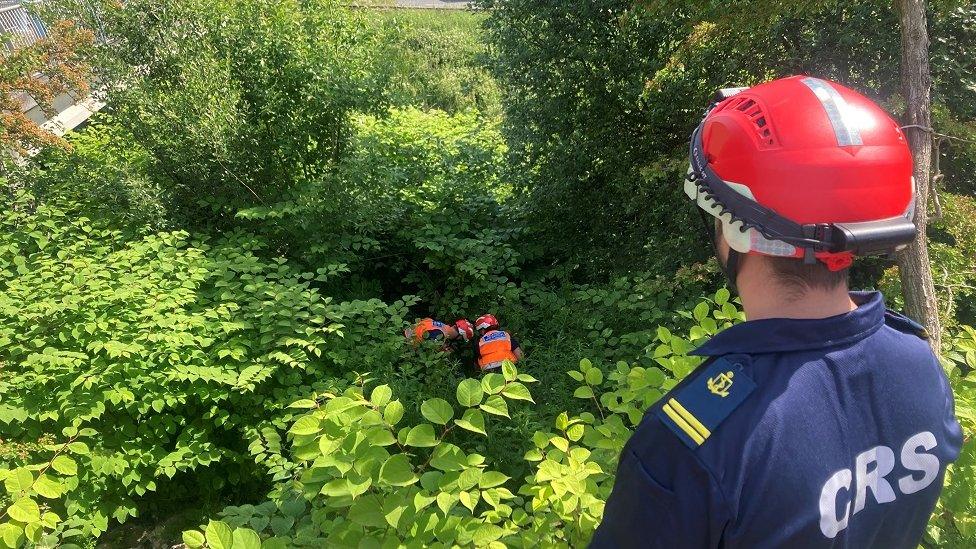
[720,384]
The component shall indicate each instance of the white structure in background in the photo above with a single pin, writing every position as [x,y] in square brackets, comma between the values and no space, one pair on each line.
[19,28]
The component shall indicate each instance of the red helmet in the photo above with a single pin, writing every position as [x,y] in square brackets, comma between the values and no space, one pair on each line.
[465,329]
[803,167]
[486,322]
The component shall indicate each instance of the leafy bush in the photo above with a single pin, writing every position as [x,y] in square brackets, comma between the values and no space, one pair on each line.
[181,354]
[26,519]
[238,102]
[435,60]
[364,477]
[104,175]
[952,242]
[954,522]
[419,199]
[600,99]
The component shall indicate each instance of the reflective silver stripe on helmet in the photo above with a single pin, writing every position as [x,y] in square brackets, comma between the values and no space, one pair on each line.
[837,111]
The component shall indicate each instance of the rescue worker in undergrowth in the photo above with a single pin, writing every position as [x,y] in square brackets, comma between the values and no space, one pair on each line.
[428,329]
[494,346]
[824,420]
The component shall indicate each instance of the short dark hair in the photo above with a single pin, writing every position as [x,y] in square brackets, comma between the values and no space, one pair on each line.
[795,274]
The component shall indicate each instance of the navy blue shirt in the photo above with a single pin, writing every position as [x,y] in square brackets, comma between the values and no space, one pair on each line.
[833,432]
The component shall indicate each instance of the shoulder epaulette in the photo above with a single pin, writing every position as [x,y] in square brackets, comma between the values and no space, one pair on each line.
[904,324]
[695,409]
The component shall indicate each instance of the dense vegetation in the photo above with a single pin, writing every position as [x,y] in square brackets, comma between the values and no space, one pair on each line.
[202,301]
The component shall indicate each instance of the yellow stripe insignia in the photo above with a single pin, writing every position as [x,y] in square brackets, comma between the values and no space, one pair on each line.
[685,421]
[700,404]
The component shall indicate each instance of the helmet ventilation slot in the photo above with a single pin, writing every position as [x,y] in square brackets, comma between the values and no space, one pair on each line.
[757,118]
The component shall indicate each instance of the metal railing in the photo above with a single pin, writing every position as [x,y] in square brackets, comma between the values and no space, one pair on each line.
[18,26]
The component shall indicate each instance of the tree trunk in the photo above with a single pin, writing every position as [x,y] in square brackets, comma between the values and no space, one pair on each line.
[916,271]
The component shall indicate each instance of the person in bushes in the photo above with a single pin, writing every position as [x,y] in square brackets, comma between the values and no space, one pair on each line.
[824,420]
[428,329]
[494,345]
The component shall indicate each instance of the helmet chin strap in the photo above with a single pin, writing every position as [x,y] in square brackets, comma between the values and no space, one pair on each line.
[730,267]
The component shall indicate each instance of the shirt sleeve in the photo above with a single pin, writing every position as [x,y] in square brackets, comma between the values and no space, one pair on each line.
[515,344]
[662,496]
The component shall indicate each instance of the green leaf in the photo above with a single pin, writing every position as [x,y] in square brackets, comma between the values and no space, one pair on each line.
[65,465]
[575,432]
[487,533]
[381,395]
[276,543]
[470,392]
[560,442]
[367,511]
[282,525]
[421,436]
[306,425]
[509,371]
[722,296]
[193,539]
[492,383]
[448,457]
[78,448]
[490,479]
[48,487]
[18,481]
[12,534]
[583,392]
[24,510]
[245,538]
[701,311]
[397,471]
[446,501]
[496,405]
[293,507]
[517,391]
[305,403]
[663,334]
[437,410]
[470,499]
[473,420]
[393,412]
[377,436]
[594,376]
[219,535]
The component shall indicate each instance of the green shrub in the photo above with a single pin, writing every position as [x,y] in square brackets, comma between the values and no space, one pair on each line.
[105,175]
[952,251]
[600,99]
[435,60]
[419,199]
[954,522]
[237,102]
[180,353]
[365,477]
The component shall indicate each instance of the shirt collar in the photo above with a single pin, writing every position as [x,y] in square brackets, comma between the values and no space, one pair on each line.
[778,335]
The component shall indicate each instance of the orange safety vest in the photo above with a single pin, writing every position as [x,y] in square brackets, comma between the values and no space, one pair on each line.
[427,325]
[494,347]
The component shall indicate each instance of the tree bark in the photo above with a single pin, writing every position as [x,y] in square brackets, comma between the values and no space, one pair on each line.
[917,285]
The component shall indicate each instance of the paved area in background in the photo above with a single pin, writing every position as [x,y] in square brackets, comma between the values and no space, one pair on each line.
[444,4]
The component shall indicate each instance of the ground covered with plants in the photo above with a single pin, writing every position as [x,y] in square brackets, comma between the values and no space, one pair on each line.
[202,299]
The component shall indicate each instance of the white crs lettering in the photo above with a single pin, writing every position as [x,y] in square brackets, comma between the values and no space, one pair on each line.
[870,469]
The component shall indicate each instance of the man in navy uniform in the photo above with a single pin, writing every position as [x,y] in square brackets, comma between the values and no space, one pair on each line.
[824,420]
